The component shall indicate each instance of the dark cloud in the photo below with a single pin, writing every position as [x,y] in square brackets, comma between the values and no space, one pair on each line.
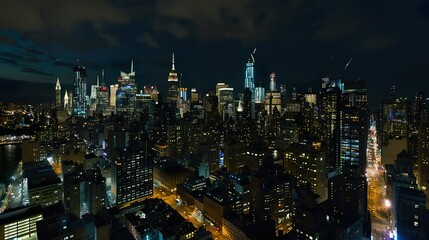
[148,39]
[9,60]
[379,42]
[58,62]
[36,71]
[34,51]
[212,38]
[60,15]
[8,40]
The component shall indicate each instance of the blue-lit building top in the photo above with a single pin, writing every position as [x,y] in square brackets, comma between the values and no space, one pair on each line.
[79,97]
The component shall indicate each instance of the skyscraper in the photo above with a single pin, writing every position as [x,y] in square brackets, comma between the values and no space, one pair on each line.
[273,86]
[249,80]
[79,98]
[354,126]
[102,96]
[330,100]
[126,93]
[58,94]
[132,176]
[113,89]
[66,102]
[173,84]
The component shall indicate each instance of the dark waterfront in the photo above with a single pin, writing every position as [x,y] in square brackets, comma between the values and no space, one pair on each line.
[9,159]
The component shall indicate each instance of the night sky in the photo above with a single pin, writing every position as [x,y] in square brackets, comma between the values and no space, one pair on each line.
[300,40]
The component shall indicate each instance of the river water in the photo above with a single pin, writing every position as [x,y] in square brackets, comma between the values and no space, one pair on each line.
[10,155]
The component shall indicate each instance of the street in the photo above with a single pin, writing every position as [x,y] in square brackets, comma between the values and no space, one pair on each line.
[378,204]
[189,213]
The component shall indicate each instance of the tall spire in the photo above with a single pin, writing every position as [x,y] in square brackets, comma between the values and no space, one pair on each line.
[173,68]
[98,80]
[132,66]
[58,85]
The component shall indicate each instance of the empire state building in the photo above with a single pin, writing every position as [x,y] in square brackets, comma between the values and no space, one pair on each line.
[173,84]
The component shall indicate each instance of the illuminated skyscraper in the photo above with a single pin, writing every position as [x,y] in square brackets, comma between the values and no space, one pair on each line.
[113,89]
[194,95]
[79,98]
[66,102]
[330,101]
[58,94]
[273,86]
[249,81]
[218,87]
[132,176]
[226,100]
[354,126]
[173,84]
[102,96]
[93,97]
[126,94]
[152,91]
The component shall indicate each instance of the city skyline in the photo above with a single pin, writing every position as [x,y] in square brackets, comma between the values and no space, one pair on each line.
[301,42]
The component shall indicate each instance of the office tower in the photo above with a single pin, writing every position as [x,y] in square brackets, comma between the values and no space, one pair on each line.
[332,82]
[20,223]
[354,126]
[183,104]
[211,107]
[259,94]
[273,86]
[330,103]
[80,103]
[218,87]
[102,96]
[155,219]
[310,219]
[394,124]
[400,175]
[103,99]
[183,94]
[112,99]
[310,114]
[244,116]
[423,159]
[209,153]
[173,84]
[348,194]
[226,99]
[31,150]
[249,80]
[93,96]
[70,105]
[95,191]
[308,164]
[411,214]
[271,194]
[44,187]
[194,96]
[283,95]
[67,106]
[235,156]
[152,91]
[126,93]
[73,189]
[58,94]
[417,115]
[132,176]
[273,102]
